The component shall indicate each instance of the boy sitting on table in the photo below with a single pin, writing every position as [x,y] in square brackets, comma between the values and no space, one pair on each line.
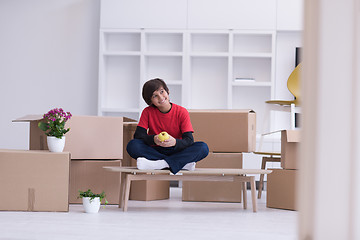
[177,152]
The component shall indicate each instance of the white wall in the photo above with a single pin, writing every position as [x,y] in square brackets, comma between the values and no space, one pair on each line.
[49,58]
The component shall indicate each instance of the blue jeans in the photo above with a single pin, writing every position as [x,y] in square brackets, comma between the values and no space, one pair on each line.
[176,160]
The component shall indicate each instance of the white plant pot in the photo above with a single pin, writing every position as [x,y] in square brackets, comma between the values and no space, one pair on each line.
[55,144]
[91,206]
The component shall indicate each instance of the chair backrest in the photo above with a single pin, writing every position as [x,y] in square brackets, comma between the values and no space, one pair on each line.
[293,83]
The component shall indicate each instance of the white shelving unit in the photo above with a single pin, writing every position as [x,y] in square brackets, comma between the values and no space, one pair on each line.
[219,59]
[201,67]
[128,58]
[212,54]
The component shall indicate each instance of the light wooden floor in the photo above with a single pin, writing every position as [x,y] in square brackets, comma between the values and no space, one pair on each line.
[165,219]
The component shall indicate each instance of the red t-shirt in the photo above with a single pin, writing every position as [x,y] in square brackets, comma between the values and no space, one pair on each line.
[175,122]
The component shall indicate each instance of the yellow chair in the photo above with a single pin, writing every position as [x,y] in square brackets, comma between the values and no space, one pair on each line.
[293,84]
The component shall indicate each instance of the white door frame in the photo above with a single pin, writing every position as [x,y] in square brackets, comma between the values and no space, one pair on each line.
[328,189]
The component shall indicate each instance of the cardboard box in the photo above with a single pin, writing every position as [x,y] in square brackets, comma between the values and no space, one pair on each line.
[90,174]
[281,189]
[225,130]
[215,191]
[149,190]
[290,143]
[142,190]
[129,130]
[34,180]
[90,137]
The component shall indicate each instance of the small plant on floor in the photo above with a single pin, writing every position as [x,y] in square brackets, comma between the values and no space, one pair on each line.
[92,195]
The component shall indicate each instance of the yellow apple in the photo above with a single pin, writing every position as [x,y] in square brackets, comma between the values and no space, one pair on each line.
[163,136]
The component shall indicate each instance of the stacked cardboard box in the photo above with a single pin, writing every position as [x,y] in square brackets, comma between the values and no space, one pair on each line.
[34,180]
[215,191]
[228,134]
[281,183]
[93,142]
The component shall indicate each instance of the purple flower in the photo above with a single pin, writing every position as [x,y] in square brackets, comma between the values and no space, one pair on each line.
[54,120]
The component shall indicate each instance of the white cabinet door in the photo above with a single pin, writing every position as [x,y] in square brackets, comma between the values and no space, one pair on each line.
[232,14]
[290,15]
[143,14]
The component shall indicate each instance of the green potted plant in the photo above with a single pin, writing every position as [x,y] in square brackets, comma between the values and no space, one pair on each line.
[92,201]
[53,124]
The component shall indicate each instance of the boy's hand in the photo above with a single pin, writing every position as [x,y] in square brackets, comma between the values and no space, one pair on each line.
[166,143]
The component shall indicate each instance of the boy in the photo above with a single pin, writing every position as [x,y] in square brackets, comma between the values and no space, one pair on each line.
[179,151]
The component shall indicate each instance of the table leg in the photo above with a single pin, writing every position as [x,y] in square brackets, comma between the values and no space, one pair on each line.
[122,189]
[244,194]
[253,192]
[127,191]
[261,182]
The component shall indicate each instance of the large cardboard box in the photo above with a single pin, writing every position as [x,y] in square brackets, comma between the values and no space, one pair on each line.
[281,189]
[215,191]
[34,180]
[142,190]
[225,130]
[90,174]
[290,143]
[90,137]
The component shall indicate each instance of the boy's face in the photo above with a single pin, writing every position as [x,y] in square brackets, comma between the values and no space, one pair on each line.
[160,99]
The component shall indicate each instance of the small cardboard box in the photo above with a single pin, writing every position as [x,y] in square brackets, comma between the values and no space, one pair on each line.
[90,174]
[142,190]
[225,130]
[90,137]
[149,190]
[290,141]
[34,180]
[281,189]
[215,191]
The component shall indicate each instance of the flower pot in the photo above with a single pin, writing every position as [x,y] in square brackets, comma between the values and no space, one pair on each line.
[55,144]
[91,205]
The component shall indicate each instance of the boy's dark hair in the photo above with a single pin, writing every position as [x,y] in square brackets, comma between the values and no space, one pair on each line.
[150,87]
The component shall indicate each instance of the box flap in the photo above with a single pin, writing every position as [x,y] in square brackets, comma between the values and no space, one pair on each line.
[29,118]
[293,135]
[126,119]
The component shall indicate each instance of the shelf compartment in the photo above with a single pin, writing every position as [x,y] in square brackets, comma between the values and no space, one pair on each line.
[163,54]
[255,68]
[122,42]
[252,97]
[206,70]
[252,43]
[209,54]
[123,53]
[122,74]
[174,82]
[168,68]
[175,93]
[209,42]
[250,84]
[252,54]
[164,42]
